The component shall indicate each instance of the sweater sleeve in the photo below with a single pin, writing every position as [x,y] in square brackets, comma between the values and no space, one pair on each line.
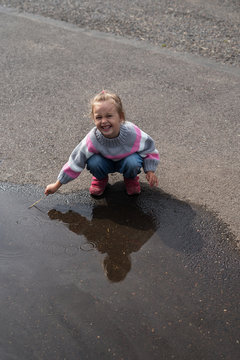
[148,152]
[76,162]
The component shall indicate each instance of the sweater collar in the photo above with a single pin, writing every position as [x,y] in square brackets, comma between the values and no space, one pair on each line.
[120,139]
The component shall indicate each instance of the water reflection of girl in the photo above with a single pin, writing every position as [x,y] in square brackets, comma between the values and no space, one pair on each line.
[115,231]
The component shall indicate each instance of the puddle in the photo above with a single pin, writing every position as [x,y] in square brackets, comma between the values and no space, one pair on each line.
[146,277]
[116,231]
[87,246]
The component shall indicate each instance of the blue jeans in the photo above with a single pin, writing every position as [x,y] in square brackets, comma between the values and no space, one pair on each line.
[100,166]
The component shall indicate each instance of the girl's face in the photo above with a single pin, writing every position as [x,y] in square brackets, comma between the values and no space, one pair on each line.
[107,119]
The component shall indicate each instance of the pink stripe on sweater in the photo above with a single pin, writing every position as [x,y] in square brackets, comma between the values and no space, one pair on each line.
[138,140]
[70,172]
[152,156]
[91,148]
[134,149]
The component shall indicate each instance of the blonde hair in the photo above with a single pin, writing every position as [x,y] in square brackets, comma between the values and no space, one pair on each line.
[105,95]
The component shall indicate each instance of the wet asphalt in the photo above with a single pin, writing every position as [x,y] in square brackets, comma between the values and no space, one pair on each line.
[115,278]
[154,276]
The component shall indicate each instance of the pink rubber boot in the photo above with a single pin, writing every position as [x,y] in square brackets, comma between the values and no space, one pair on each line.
[132,186]
[98,186]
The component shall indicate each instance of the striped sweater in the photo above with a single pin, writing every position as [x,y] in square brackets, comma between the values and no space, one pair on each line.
[130,140]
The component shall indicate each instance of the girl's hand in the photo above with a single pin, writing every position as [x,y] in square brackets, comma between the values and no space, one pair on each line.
[52,188]
[151,178]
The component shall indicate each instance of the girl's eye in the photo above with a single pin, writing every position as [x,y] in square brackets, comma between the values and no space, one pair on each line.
[98,117]
[109,115]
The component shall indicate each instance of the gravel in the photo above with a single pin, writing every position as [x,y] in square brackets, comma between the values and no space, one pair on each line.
[208,28]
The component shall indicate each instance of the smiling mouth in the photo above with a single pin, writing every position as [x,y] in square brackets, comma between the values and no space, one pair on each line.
[106,128]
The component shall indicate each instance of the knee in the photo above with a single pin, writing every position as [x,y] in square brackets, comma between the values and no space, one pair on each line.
[99,163]
[94,161]
[133,161]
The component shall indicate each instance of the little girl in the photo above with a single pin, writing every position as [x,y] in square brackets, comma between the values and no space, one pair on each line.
[113,145]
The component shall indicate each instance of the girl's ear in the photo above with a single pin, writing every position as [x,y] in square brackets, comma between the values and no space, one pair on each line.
[122,117]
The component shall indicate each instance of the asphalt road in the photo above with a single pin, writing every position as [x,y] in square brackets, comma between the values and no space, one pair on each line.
[181,285]
[189,105]
[209,28]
